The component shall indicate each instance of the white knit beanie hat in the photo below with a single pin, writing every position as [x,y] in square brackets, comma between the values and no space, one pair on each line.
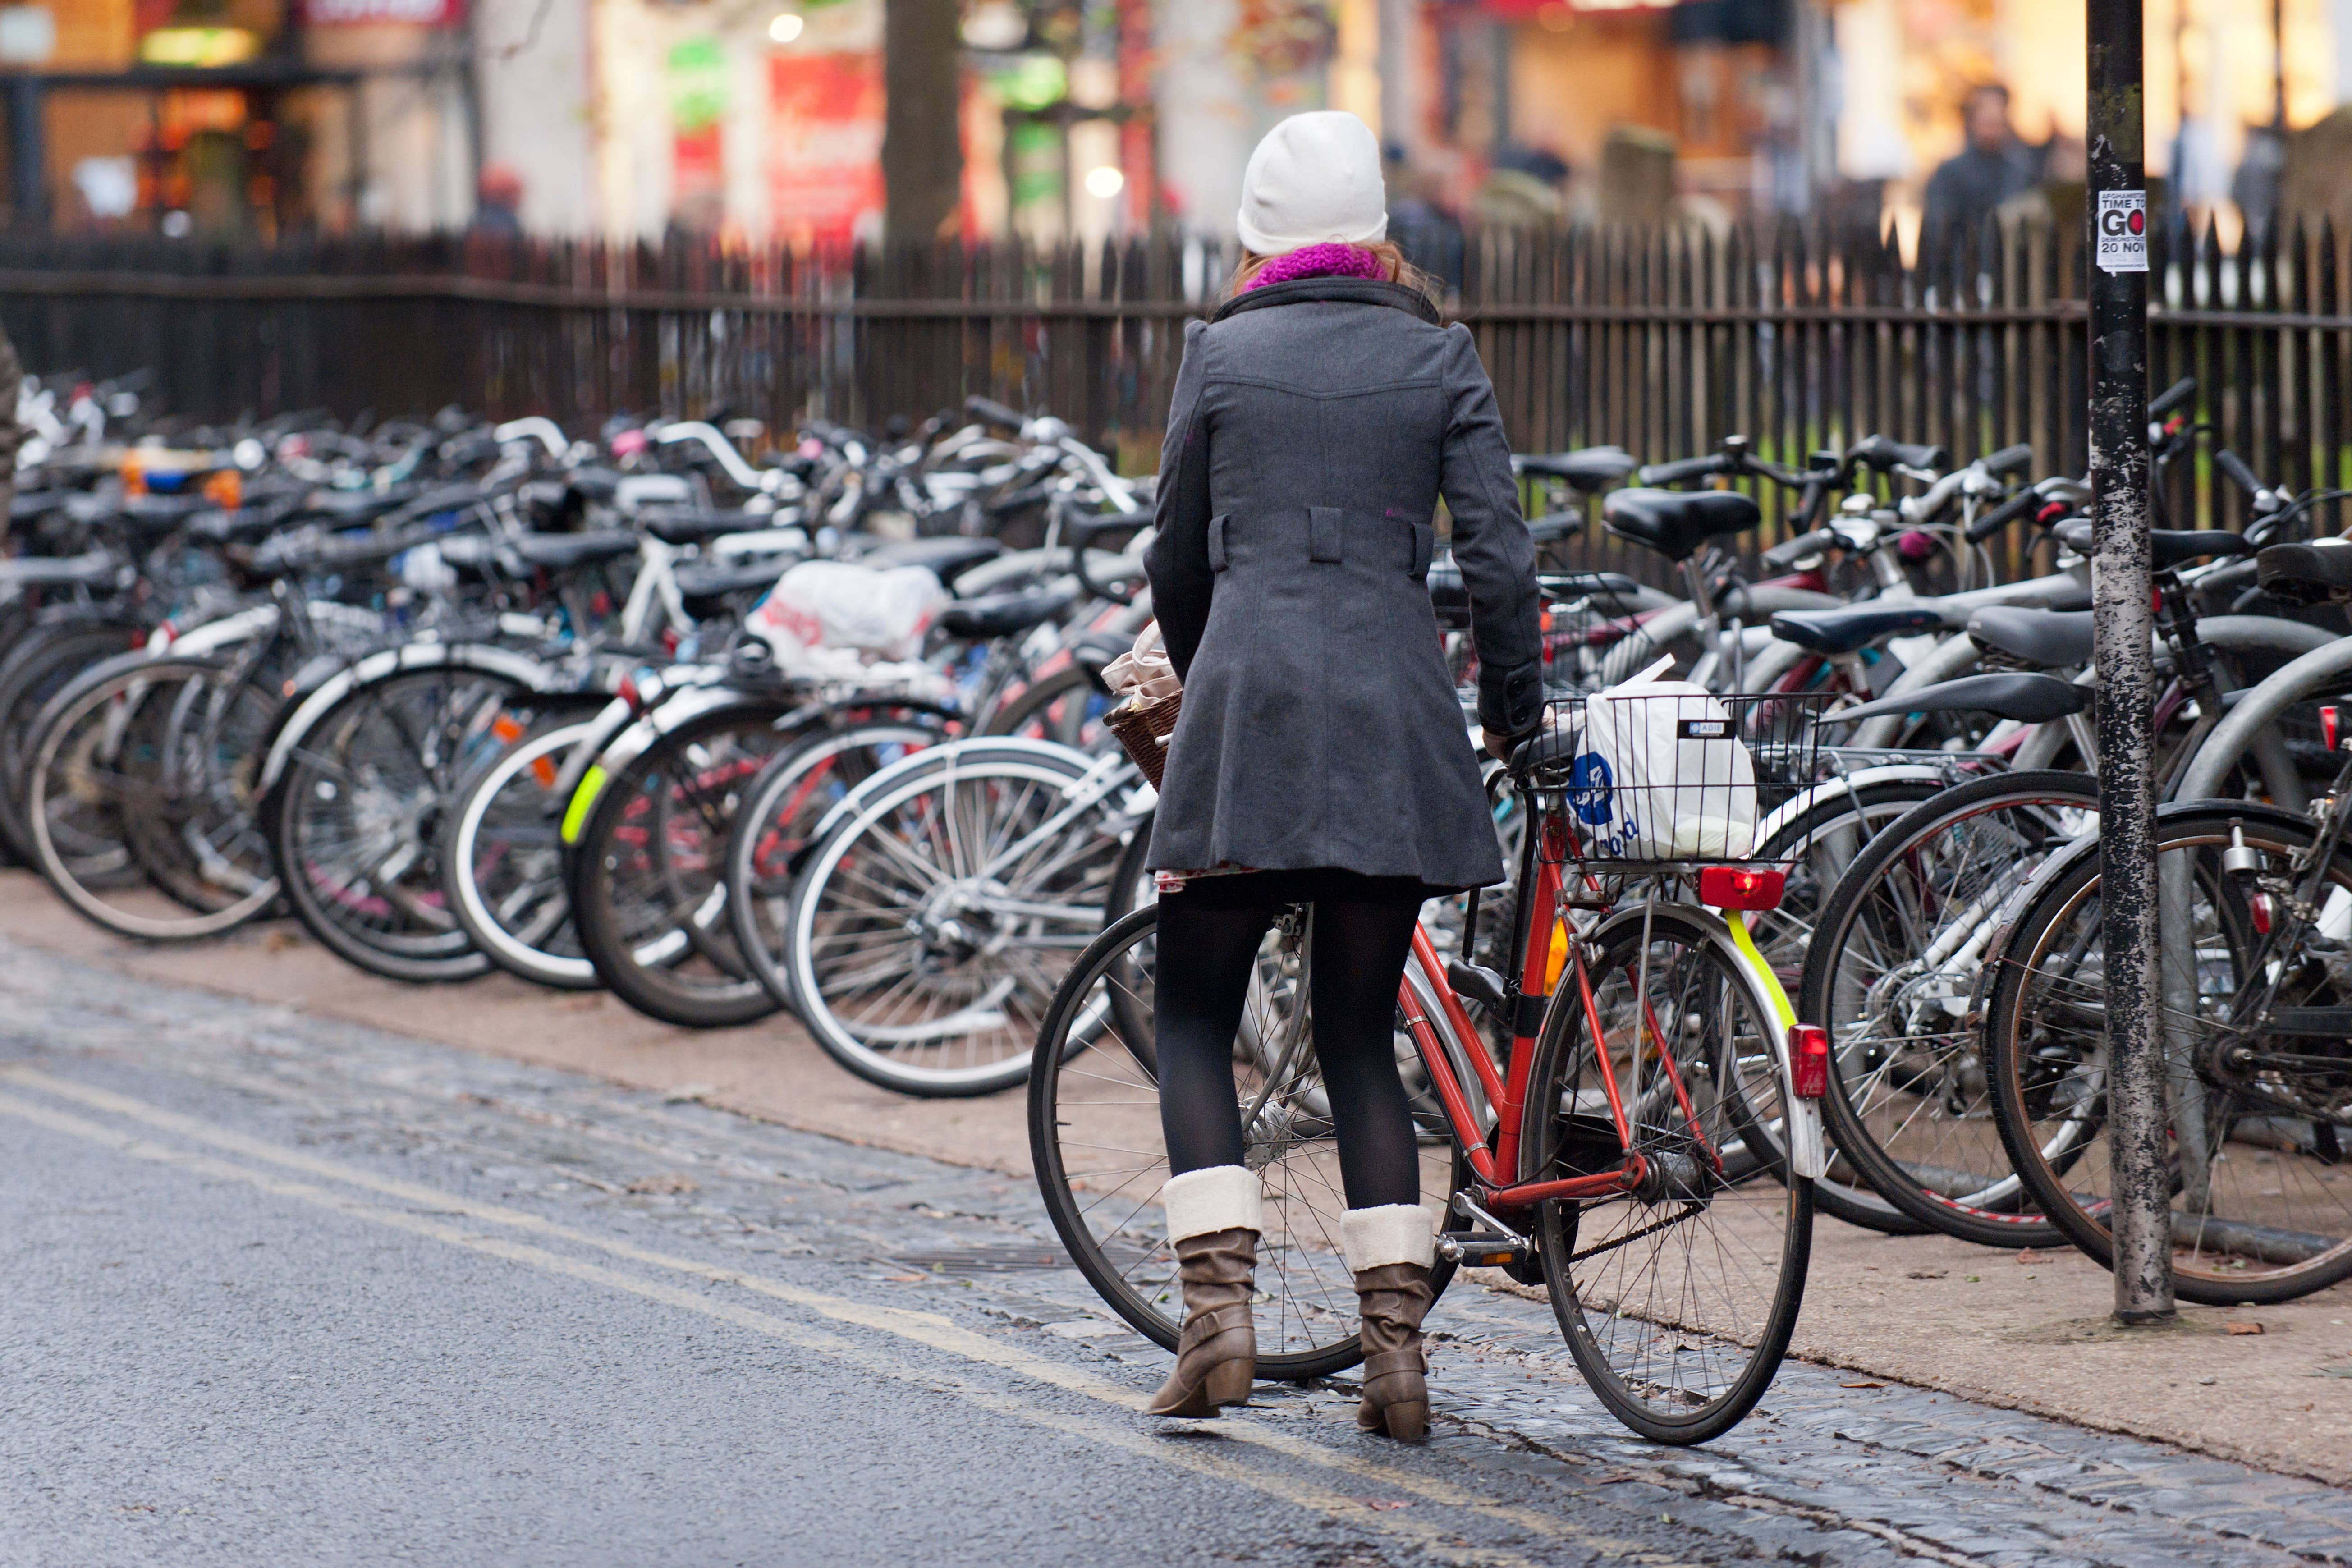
[1314,179]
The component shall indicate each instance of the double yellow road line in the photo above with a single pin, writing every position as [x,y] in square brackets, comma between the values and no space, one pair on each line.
[521,1239]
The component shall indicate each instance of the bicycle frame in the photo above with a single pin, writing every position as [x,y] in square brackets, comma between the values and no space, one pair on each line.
[1544,925]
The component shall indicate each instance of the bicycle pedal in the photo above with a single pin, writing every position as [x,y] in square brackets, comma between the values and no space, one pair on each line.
[1478,1251]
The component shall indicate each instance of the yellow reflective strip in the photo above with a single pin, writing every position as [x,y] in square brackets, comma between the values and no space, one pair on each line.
[584,800]
[1738,921]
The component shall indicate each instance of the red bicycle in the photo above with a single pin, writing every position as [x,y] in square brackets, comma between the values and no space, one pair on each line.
[1630,1119]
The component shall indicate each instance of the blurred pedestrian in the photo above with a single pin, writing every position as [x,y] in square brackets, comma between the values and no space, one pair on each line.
[1321,758]
[1991,168]
[497,203]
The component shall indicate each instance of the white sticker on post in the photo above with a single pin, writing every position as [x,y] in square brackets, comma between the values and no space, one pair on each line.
[2122,239]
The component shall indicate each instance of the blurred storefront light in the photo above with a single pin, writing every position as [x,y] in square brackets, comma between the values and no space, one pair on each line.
[996,25]
[199,47]
[28,35]
[786,29]
[1034,82]
[1104,183]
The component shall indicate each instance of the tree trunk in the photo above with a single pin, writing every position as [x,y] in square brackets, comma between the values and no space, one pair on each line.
[923,148]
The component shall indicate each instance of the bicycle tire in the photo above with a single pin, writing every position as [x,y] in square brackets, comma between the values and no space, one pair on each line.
[1818,842]
[34,672]
[2032,1084]
[931,922]
[375,771]
[506,824]
[1558,1143]
[183,826]
[1908,847]
[655,840]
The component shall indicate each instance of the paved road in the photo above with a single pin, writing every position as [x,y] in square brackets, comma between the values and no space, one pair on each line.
[284,1291]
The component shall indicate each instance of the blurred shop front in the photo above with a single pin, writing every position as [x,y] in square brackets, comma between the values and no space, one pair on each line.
[236,118]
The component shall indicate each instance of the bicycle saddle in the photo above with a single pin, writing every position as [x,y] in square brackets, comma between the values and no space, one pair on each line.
[706,588]
[2167,547]
[1003,614]
[2043,637]
[560,551]
[2027,698]
[1587,468]
[1851,628]
[2306,574]
[1674,523]
[950,555]
[685,526]
[350,509]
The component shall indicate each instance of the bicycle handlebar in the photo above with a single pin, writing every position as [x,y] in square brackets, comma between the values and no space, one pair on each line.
[2001,516]
[1682,469]
[2009,459]
[1878,452]
[993,412]
[2239,475]
[1789,552]
[2172,398]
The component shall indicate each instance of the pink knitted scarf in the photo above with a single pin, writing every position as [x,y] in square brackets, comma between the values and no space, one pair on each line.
[1332,260]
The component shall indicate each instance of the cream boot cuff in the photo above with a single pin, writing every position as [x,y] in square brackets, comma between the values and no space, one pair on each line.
[1393,1233]
[1203,1201]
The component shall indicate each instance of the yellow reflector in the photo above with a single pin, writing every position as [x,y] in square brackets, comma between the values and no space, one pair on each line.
[1557,959]
[584,800]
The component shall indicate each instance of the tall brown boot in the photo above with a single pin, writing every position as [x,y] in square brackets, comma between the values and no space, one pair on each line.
[1391,1249]
[1214,1221]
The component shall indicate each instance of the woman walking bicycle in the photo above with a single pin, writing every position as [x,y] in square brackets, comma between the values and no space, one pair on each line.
[1321,757]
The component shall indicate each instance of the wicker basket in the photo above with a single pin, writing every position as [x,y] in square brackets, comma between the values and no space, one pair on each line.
[1143,728]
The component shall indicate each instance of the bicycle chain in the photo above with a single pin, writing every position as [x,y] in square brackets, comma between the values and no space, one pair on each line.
[1632,1236]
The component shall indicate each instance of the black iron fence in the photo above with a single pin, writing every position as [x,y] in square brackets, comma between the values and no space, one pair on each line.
[1659,342]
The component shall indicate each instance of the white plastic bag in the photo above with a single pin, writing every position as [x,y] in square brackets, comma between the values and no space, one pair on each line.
[1661,774]
[823,615]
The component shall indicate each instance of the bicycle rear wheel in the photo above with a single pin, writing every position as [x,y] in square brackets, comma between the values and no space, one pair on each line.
[150,759]
[1094,1139]
[355,820]
[1677,1300]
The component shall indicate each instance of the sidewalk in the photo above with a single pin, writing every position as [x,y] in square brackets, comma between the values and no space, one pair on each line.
[2023,1331]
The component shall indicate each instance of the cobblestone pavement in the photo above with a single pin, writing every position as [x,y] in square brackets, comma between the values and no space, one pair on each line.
[1827,1471]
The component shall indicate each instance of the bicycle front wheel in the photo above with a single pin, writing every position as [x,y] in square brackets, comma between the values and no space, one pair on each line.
[1094,1138]
[1677,1299]
[1891,977]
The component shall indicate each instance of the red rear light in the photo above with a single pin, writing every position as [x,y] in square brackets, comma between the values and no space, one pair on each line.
[1741,887]
[2264,912]
[1809,1060]
[2327,725]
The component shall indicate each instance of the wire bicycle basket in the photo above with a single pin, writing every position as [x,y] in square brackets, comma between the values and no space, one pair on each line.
[1642,782]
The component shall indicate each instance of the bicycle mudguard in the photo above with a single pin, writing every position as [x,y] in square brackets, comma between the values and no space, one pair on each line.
[1845,785]
[1808,1154]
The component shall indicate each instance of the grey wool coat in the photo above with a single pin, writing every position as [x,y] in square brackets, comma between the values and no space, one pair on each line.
[1315,423]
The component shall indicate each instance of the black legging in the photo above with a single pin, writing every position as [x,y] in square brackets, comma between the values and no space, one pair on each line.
[1208,944]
